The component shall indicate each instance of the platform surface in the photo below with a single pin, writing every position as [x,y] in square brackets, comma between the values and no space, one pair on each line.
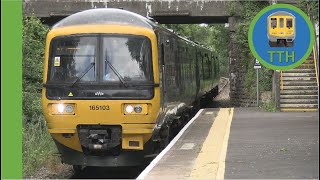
[241,143]
[273,145]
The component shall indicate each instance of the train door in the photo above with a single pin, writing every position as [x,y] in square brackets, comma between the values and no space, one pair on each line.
[162,74]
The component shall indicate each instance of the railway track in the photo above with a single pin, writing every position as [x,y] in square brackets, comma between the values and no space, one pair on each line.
[109,173]
[225,84]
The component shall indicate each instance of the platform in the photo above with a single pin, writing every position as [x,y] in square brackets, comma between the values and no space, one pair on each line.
[241,143]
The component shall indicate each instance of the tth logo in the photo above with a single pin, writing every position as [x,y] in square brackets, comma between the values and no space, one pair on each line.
[281,37]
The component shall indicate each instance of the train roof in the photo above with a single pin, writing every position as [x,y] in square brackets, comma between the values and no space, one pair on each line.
[115,16]
[281,13]
[105,16]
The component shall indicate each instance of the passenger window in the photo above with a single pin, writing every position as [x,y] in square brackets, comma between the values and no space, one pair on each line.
[273,22]
[162,54]
[281,23]
[289,23]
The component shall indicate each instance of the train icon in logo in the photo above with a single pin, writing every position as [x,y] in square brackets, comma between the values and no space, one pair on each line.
[281,29]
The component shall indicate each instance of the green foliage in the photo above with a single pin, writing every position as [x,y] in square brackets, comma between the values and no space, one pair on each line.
[311,8]
[37,145]
[34,34]
[193,31]
[220,40]
[269,106]
[232,8]
[247,10]
[250,82]
[265,79]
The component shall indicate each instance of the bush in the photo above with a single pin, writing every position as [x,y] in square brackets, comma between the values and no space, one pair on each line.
[269,106]
[37,143]
[33,42]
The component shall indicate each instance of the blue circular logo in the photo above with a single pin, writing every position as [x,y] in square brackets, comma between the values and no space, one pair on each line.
[281,37]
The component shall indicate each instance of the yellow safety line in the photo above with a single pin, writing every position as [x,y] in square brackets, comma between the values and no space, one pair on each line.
[298,110]
[210,163]
[315,64]
[223,154]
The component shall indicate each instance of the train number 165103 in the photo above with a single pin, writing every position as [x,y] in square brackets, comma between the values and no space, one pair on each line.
[97,107]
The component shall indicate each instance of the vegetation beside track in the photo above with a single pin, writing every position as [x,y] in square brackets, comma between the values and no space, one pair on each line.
[247,10]
[37,143]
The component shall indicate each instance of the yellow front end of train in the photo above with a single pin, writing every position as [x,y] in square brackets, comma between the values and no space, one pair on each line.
[95,121]
[281,29]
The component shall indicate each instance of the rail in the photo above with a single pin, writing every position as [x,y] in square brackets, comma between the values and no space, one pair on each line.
[227,80]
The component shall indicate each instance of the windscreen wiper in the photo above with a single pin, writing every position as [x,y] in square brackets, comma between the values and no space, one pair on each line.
[84,73]
[117,73]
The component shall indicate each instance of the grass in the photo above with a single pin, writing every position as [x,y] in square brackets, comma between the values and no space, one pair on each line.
[37,145]
[269,106]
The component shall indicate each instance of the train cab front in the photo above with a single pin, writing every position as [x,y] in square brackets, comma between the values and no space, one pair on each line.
[101,96]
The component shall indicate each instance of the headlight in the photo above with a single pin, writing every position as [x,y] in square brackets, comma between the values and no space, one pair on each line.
[129,109]
[69,108]
[63,109]
[60,108]
[135,109]
[138,109]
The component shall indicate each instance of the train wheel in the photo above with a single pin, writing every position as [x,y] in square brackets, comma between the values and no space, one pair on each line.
[165,138]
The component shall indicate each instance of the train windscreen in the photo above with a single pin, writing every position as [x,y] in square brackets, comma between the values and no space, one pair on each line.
[129,56]
[71,56]
[114,64]
[76,58]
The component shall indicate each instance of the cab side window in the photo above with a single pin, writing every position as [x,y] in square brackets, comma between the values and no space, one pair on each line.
[273,22]
[289,23]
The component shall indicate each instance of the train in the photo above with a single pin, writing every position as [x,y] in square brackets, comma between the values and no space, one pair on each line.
[117,86]
[281,29]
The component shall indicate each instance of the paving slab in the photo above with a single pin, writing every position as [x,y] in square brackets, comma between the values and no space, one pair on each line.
[280,145]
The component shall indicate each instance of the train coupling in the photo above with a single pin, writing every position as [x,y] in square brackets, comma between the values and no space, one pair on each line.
[95,138]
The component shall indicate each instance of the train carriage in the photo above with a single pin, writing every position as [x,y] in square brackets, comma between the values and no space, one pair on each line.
[117,86]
